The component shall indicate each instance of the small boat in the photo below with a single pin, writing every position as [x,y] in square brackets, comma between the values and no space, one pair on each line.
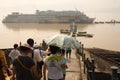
[84,34]
[65,31]
[89,35]
[81,33]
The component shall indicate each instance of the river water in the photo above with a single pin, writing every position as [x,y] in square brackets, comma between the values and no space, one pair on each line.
[106,36]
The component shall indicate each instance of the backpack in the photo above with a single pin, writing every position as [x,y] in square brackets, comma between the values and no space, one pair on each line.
[39,65]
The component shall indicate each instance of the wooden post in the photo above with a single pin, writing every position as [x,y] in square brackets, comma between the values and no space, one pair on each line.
[82,51]
[84,62]
[93,65]
[114,75]
[93,69]
[80,47]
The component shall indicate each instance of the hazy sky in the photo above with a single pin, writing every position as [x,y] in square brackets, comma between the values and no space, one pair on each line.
[87,6]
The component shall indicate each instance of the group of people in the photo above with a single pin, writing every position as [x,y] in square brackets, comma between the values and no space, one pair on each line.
[31,63]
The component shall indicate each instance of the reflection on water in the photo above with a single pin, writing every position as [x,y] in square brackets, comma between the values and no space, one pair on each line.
[36,26]
[40,26]
[105,35]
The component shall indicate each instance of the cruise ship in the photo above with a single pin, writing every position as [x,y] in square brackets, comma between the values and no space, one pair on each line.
[49,16]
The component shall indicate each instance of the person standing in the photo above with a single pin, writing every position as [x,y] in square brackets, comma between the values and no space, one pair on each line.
[24,66]
[15,52]
[38,60]
[62,54]
[44,45]
[53,63]
[35,55]
[68,53]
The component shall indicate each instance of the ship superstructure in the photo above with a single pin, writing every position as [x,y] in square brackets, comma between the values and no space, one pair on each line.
[49,16]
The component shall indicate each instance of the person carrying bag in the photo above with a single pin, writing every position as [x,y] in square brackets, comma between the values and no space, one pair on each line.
[24,66]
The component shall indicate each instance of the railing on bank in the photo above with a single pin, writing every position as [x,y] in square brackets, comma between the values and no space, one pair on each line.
[91,70]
